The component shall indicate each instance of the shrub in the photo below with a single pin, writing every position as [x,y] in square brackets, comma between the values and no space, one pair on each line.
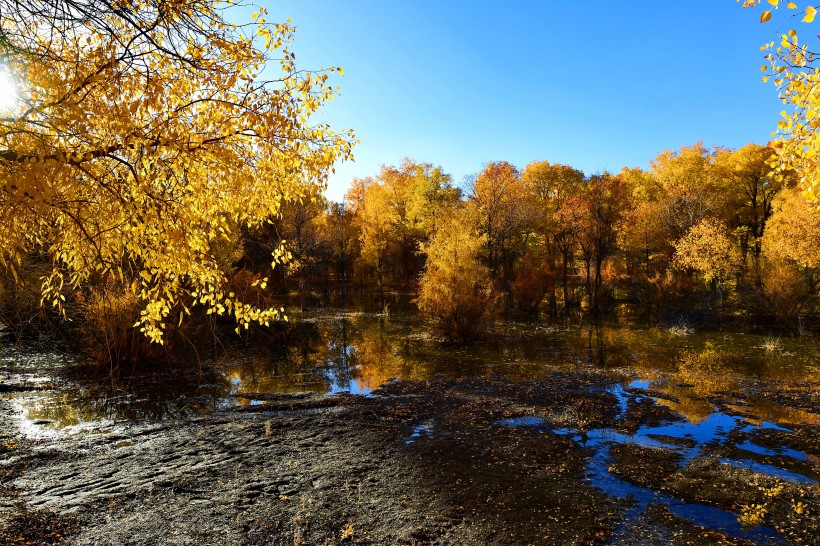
[106,327]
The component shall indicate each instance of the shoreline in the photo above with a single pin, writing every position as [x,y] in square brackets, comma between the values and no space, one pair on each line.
[417,462]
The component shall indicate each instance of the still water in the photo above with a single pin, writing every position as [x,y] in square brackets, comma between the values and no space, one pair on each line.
[330,352]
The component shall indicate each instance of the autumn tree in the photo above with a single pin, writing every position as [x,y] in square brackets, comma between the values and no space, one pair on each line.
[300,228]
[144,132]
[418,195]
[568,221]
[642,232]
[689,187]
[342,238]
[793,232]
[605,199]
[456,291]
[397,210]
[550,185]
[502,207]
[376,221]
[792,67]
[708,249]
[751,184]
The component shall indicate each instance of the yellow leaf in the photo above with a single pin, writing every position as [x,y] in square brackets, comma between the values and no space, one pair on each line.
[810,13]
[765,16]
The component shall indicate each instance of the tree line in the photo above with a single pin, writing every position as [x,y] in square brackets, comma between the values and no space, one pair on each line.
[711,229]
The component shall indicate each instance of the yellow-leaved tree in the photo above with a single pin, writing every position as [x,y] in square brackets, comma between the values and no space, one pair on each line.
[793,232]
[792,66]
[144,131]
[456,291]
[708,249]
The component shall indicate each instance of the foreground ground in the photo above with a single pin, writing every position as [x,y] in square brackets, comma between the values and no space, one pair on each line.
[444,462]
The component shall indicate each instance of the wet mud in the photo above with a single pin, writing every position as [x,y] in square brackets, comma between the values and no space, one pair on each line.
[576,457]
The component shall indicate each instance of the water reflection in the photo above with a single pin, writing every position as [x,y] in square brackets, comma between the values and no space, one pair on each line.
[328,352]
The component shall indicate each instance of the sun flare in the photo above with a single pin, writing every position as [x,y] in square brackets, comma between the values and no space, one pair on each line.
[8,91]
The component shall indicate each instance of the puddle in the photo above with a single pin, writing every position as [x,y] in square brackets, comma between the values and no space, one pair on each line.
[715,518]
[598,475]
[639,384]
[351,386]
[685,437]
[773,452]
[522,421]
[422,430]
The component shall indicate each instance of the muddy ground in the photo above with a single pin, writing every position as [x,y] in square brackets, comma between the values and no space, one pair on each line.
[416,463]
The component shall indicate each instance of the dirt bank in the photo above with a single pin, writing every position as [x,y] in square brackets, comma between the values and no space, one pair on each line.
[449,462]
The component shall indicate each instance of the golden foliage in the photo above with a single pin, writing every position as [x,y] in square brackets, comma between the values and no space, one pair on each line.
[503,208]
[643,231]
[396,211]
[708,249]
[706,371]
[456,290]
[139,141]
[792,67]
[793,232]
[689,187]
[782,290]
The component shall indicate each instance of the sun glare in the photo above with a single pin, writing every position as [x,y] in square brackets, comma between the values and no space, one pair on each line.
[8,91]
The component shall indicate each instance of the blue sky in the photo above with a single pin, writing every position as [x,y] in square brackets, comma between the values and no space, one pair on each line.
[596,85]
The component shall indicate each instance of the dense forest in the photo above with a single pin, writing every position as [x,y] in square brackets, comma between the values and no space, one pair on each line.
[711,233]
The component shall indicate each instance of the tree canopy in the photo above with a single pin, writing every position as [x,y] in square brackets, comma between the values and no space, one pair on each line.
[146,130]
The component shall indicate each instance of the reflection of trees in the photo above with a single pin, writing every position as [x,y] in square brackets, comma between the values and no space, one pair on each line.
[59,407]
[700,375]
[604,346]
[144,398]
[380,356]
[706,372]
[693,408]
[341,358]
[288,364]
[766,410]
[333,352]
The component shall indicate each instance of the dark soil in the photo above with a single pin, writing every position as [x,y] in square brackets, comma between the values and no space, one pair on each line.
[415,463]
[643,466]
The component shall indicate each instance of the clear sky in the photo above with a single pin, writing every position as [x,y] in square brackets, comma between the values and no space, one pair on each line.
[596,84]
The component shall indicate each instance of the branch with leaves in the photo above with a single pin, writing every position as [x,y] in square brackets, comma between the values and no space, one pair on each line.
[145,132]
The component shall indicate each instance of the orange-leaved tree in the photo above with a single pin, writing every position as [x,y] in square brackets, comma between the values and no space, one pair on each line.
[143,132]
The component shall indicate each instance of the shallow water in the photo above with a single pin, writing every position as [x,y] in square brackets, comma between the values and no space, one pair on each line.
[332,352]
[714,430]
[326,353]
